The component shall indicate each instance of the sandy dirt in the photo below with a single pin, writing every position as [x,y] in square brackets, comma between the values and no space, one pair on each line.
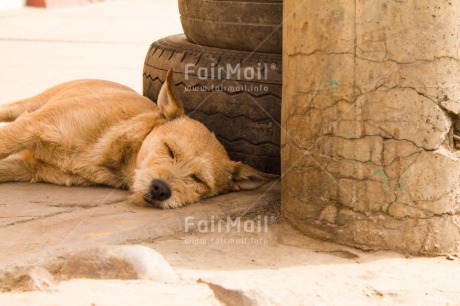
[291,269]
[279,267]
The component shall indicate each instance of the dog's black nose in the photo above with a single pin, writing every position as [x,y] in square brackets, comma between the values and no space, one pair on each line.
[160,190]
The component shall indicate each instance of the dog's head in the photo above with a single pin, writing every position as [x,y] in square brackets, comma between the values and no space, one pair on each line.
[181,161]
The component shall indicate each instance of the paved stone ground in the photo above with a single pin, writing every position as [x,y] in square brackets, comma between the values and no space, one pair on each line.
[41,219]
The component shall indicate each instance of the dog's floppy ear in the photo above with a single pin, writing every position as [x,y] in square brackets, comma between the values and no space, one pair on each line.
[247,178]
[169,104]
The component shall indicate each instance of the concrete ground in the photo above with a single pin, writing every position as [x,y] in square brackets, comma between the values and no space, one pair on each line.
[44,226]
[41,48]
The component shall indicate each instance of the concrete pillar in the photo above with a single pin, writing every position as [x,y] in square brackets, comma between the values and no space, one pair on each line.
[371,101]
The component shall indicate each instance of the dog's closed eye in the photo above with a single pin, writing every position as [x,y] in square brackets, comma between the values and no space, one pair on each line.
[170,151]
[197,179]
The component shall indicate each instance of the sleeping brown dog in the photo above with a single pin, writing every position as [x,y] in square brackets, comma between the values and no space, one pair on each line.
[93,132]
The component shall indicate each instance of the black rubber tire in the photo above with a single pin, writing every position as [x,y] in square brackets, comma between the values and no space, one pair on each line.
[247,122]
[247,25]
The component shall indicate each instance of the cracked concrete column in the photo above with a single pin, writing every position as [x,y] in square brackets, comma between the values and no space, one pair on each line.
[371,102]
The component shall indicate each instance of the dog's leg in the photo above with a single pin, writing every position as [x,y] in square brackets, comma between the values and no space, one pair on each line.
[16,168]
[15,137]
[23,167]
[9,112]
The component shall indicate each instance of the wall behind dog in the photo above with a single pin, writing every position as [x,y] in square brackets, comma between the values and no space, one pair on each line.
[371,94]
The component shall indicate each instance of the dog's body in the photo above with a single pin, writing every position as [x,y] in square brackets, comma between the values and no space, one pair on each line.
[92,132]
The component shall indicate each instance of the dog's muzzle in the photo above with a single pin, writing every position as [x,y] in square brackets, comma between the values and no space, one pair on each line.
[159,191]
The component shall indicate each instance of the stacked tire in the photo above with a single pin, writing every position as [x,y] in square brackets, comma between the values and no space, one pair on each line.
[228,73]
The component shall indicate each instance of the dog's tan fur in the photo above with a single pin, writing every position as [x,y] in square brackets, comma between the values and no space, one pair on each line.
[93,132]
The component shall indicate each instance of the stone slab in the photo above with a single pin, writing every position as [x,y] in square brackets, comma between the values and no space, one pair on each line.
[40,219]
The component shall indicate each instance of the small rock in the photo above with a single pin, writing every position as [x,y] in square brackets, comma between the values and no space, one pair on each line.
[450,257]
[27,279]
[119,262]
[41,278]
[253,297]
